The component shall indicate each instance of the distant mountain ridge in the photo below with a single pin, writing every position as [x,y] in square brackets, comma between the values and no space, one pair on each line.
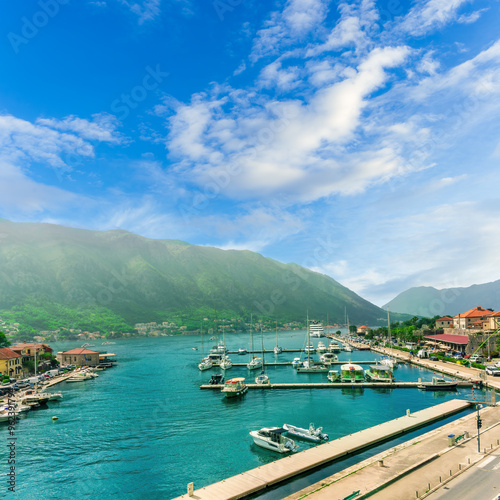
[428,301]
[140,279]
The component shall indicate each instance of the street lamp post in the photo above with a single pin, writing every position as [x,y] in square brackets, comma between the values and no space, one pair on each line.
[479,425]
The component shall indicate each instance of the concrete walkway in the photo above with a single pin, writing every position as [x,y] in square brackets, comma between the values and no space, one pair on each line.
[260,478]
[416,468]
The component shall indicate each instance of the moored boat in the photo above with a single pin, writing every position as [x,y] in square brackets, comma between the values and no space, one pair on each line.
[438,384]
[234,387]
[311,434]
[308,366]
[205,364]
[272,439]
[242,350]
[379,373]
[328,358]
[296,362]
[254,363]
[316,329]
[333,347]
[226,363]
[321,347]
[351,373]
[262,378]
[333,375]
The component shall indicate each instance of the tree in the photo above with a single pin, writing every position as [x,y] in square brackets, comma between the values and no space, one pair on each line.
[4,341]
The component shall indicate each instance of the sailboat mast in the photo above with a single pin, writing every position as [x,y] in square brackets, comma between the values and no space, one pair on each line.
[308,340]
[388,325]
[262,344]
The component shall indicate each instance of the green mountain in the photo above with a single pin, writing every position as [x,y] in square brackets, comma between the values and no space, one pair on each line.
[428,301]
[140,279]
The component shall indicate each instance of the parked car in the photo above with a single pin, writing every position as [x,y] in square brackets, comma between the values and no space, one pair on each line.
[476,358]
[493,370]
[433,358]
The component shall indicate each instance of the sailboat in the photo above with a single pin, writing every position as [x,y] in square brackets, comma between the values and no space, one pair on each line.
[205,363]
[308,365]
[277,349]
[254,362]
[226,362]
[262,378]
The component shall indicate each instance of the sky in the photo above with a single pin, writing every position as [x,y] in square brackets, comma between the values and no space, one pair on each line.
[358,139]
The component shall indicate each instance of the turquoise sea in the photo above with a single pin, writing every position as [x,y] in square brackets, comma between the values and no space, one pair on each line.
[145,429]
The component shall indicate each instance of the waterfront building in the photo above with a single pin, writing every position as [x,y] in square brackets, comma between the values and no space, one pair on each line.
[444,322]
[10,362]
[363,330]
[79,357]
[473,318]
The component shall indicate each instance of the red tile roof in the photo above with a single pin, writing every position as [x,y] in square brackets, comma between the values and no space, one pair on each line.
[454,339]
[80,351]
[445,318]
[22,345]
[6,353]
[477,312]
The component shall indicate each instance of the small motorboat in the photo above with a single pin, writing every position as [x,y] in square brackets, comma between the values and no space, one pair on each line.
[438,384]
[379,373]
[308,366]
[262,379]
[242,350]
[254,363]
[226,363]
[328,358]
[333,376]
[272,439]
[296,362]
[234,387]
[216,379]
[277,349]
[309,348]
[311,434]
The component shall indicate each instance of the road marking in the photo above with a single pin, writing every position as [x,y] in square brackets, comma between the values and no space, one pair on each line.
[484,463]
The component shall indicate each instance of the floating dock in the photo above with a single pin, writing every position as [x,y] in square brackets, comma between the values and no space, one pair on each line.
[260,478]
[335,385]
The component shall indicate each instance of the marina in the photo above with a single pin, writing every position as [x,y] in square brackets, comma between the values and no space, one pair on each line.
[340,385]
[99,411]
[267,475]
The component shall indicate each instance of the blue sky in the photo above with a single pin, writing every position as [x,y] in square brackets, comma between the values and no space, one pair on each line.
[358,139]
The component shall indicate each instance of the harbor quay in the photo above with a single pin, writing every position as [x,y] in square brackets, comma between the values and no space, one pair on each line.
[263,477]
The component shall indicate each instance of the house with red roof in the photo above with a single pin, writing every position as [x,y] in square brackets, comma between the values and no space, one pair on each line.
[444,322]
[362,330]
[78,357]
[492,322]
[472,319]
[10,362]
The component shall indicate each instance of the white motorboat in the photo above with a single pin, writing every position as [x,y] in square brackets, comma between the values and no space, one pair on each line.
[309,348]
[226,363]
[328,358]
[262,379]
[234,387]
[390,362]
[242,350]
[438,384]
[316,329]
[347,348]
[255,363]
[308,366]
[80,377]
[310,434]
[333,347]
[333,376]
[296,363]
[205,364]
[321,347]
[272,438]
[351,373]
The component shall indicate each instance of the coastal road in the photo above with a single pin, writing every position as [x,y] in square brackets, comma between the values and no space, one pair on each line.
[480,482]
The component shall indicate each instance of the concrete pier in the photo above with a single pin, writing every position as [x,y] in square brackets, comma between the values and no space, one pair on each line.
[335,385]
[280,470]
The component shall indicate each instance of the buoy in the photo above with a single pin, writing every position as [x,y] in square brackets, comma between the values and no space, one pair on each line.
[54,418]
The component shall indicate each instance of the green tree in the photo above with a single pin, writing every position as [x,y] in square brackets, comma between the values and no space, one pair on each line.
[4,341]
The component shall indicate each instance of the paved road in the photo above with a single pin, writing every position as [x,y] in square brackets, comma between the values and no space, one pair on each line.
[481,481]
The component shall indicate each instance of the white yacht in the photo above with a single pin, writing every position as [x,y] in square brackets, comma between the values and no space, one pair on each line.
[262,379]
[321,347]
[309,348]
[296,362]
[308,366]
[328,358]
[272,439]
[226,363]
[242,350]
[316,329]
[333,347]
[205,364]
[254,363]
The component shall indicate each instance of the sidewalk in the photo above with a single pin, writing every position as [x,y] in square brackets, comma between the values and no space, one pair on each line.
[417,466]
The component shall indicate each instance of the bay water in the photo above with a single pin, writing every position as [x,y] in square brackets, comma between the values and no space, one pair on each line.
[144,429]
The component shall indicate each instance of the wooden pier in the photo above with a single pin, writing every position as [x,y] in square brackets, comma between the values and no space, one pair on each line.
[334,385]
[260,478]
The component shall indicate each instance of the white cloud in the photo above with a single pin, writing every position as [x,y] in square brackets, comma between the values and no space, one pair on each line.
[298,19]
[147,10]
[430,15]
[472,17]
